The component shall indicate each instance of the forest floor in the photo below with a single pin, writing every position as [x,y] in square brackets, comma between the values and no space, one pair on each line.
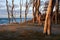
[28,32]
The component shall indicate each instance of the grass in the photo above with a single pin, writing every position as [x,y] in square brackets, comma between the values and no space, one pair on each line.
[27,35]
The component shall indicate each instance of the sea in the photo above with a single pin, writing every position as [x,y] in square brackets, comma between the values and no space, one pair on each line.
[5,20]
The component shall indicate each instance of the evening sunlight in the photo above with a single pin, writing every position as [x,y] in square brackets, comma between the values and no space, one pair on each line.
[29,19]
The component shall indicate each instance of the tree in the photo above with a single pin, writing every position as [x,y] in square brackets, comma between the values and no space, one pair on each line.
[21,10]
[56,12]
[26,11]
[47,25]
[38,14]
[36,5]
[8,11]
[12,11]
[33,11]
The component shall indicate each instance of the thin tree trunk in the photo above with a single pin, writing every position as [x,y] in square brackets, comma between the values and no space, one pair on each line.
[34,16]
[8,11]
[12,11]
[37,12]
[20,11]
[33,11]
[56,12]
[47,26]
[26,11]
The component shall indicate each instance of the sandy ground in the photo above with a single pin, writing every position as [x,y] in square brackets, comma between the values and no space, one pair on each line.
[27,32]
[54,28]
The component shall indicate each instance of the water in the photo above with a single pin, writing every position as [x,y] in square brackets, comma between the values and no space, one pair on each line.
[5,20]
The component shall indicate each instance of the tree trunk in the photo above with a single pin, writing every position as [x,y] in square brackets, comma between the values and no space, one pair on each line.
[47,26]
[12,10]
[37,12]
[56,12]
[36,5]
[13,18]
[33,11]
[8,11]
[20,11]
[26,11]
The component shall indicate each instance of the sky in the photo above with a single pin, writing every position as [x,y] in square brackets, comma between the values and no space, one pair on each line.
[3,9]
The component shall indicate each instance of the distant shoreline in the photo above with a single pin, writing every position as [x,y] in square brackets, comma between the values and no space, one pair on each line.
[5,20]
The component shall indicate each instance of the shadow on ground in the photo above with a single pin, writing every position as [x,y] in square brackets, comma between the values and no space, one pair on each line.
[26,35]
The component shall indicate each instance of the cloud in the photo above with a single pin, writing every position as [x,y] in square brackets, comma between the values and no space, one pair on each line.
[16,16]
[30,15]
[3,16]
[2,1]
[2,6]
[16,6]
